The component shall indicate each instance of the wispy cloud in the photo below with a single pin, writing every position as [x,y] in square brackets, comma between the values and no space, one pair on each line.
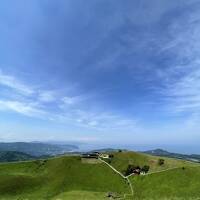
[66,109]
[182,78]
[71,100]
[184,94]
[74,100]
[99,120]
[28,109]
[47,96]
[13,83]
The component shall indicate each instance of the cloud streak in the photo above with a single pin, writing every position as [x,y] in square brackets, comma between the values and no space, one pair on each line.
[27,109]
[66,109]
[13,83]
[182,77]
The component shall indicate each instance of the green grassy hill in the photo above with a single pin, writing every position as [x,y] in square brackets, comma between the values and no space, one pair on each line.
[122,159]
[50,178]
[70,178]
[175,184]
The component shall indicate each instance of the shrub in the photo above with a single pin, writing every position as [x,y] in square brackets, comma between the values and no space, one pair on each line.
[161,161]
[145,169]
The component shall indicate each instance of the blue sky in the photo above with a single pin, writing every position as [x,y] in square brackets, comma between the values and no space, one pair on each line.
[100,71]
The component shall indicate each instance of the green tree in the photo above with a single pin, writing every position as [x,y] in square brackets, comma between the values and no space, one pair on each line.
[161,161]
[145,169]
[130,169]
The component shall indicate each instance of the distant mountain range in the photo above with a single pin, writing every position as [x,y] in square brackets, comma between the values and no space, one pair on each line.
[161,152]
[20,151]
[12,156]
[36,148]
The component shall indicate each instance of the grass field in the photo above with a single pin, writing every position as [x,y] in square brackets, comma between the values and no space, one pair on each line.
[83,195]
[47,179]
[70,178]
[122,159]
[176,184]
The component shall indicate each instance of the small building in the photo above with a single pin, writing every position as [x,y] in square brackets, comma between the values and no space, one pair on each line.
[137,171]
[90,155]
[105,156]
[142,173]
[96,152]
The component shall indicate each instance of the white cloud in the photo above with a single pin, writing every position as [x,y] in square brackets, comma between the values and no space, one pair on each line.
[102,120]
[28,109]
[184,94]
[182,78]
[70,100]
[13,83]
[66,109]
[47,96]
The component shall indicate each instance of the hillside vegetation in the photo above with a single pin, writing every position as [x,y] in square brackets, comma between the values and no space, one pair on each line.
[71,178]
[175,184]
[122,159]
[49,178]
[11,156]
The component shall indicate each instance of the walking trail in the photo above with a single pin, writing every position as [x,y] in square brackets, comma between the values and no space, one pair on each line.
[127,177]
[124,177]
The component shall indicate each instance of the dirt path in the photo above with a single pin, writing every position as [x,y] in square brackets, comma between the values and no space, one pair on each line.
[164,170]
[124,177]
[127,177]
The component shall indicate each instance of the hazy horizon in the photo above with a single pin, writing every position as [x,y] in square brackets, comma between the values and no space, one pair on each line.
[88,146]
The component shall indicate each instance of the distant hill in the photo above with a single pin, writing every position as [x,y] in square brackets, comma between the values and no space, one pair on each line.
[11,156]
[161,152]
[37,148]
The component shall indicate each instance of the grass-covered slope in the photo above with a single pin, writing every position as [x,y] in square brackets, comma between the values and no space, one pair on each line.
[175,184]
[50,178]
[82,195]
[70,178]
[122,159]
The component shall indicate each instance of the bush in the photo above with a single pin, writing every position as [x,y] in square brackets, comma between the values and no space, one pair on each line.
[145,169]
[161,161]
